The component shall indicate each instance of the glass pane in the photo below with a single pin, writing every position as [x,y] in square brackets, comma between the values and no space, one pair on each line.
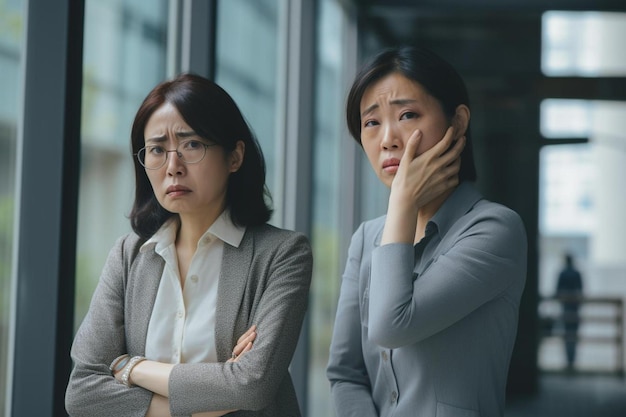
[561,118]
[583,44]
[11,49]
[328,132]
[124,57]
[374,194]
[566,190]
[582,206]
[247,67]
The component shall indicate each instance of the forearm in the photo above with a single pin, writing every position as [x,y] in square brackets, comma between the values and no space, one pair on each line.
[153,376]
[485,262]
[346,371]
[400,222]
[159,407]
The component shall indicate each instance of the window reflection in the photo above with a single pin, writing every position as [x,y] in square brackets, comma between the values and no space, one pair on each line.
[579,215]
[565,118]
[124,57]
[586,44]
[328,133]
[11,49]
[247,66]
[580,187]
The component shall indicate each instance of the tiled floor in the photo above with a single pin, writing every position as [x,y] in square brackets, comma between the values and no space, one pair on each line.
[577,395]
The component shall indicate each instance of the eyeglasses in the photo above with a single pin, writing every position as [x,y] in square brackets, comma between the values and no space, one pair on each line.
[188,151]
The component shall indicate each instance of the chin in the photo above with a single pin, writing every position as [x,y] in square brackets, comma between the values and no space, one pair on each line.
[386,180]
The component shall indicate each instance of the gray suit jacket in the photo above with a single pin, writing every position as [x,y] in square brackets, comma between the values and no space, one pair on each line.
[264,282]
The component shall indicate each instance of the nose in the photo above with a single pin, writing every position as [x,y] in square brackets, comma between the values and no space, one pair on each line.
[391,137]
[175,165]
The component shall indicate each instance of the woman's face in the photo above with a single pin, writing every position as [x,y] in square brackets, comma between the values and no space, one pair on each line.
[392,109]
[188,189]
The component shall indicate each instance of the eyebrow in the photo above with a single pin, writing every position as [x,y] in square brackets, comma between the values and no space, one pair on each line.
[179,135]
[396,102]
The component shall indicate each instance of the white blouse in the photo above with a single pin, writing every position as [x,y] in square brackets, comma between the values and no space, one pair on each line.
[182,325]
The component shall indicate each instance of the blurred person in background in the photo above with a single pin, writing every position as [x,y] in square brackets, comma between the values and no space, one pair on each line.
[569,289]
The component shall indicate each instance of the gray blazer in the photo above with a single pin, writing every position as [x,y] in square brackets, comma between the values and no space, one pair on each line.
[264,282]
[427,330]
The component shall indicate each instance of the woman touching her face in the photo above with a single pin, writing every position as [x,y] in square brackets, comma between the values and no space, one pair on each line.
[400,120]
[428,308]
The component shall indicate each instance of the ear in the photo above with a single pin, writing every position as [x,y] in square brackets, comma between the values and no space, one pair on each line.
[236,156]
[461,119]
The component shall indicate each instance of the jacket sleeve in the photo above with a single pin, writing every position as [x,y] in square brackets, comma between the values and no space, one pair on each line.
[484,262]
[253,382]
[92,390]
[349,381]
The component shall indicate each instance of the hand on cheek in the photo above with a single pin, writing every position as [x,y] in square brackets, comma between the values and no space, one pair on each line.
[421,178]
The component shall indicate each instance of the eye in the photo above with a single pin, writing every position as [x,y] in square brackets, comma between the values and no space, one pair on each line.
[408,115]
[370,123]
[192,145]
[155,150]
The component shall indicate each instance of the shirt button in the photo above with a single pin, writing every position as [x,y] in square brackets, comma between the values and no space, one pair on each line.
[179,314]
[206,240]
[384,355]
[394,397]
[194,279]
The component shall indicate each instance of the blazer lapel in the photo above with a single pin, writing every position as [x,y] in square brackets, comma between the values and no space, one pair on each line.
[231,289]
[143,285]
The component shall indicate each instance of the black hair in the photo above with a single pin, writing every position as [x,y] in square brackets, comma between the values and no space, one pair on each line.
[429,70]
[212,113]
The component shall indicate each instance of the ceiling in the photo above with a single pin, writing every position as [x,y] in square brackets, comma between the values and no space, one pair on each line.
[400,21]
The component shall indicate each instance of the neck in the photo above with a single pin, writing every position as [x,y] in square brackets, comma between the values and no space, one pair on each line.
[193,227]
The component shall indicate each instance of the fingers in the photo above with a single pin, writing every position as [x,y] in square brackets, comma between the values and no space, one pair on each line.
[449,151]
[446,143]
[248,332]
[235,356]
[246,348]
[411,146]
[454,152]
[244,343]
[451,171]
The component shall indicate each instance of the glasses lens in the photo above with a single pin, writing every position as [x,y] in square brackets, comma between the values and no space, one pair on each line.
[191,151]
[141,156]
[152,157]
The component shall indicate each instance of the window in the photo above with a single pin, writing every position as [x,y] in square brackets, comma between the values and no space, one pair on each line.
[248,64]
[581,199]
[585,44]
[326,199]
[124,58]
[11,46]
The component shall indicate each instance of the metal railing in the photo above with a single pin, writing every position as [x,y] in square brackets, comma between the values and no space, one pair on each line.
[553,319]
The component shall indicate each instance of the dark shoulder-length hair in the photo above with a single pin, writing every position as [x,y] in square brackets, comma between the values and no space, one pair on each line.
[214,116]
[429,70]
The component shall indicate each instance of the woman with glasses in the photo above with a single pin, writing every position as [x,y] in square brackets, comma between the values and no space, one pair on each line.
[198,311]
[429,300]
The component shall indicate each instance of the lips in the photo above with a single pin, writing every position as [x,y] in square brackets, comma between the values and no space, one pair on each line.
[390,165]
[175,190]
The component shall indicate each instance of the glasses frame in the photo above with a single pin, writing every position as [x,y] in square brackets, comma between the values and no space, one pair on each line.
[178,153]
